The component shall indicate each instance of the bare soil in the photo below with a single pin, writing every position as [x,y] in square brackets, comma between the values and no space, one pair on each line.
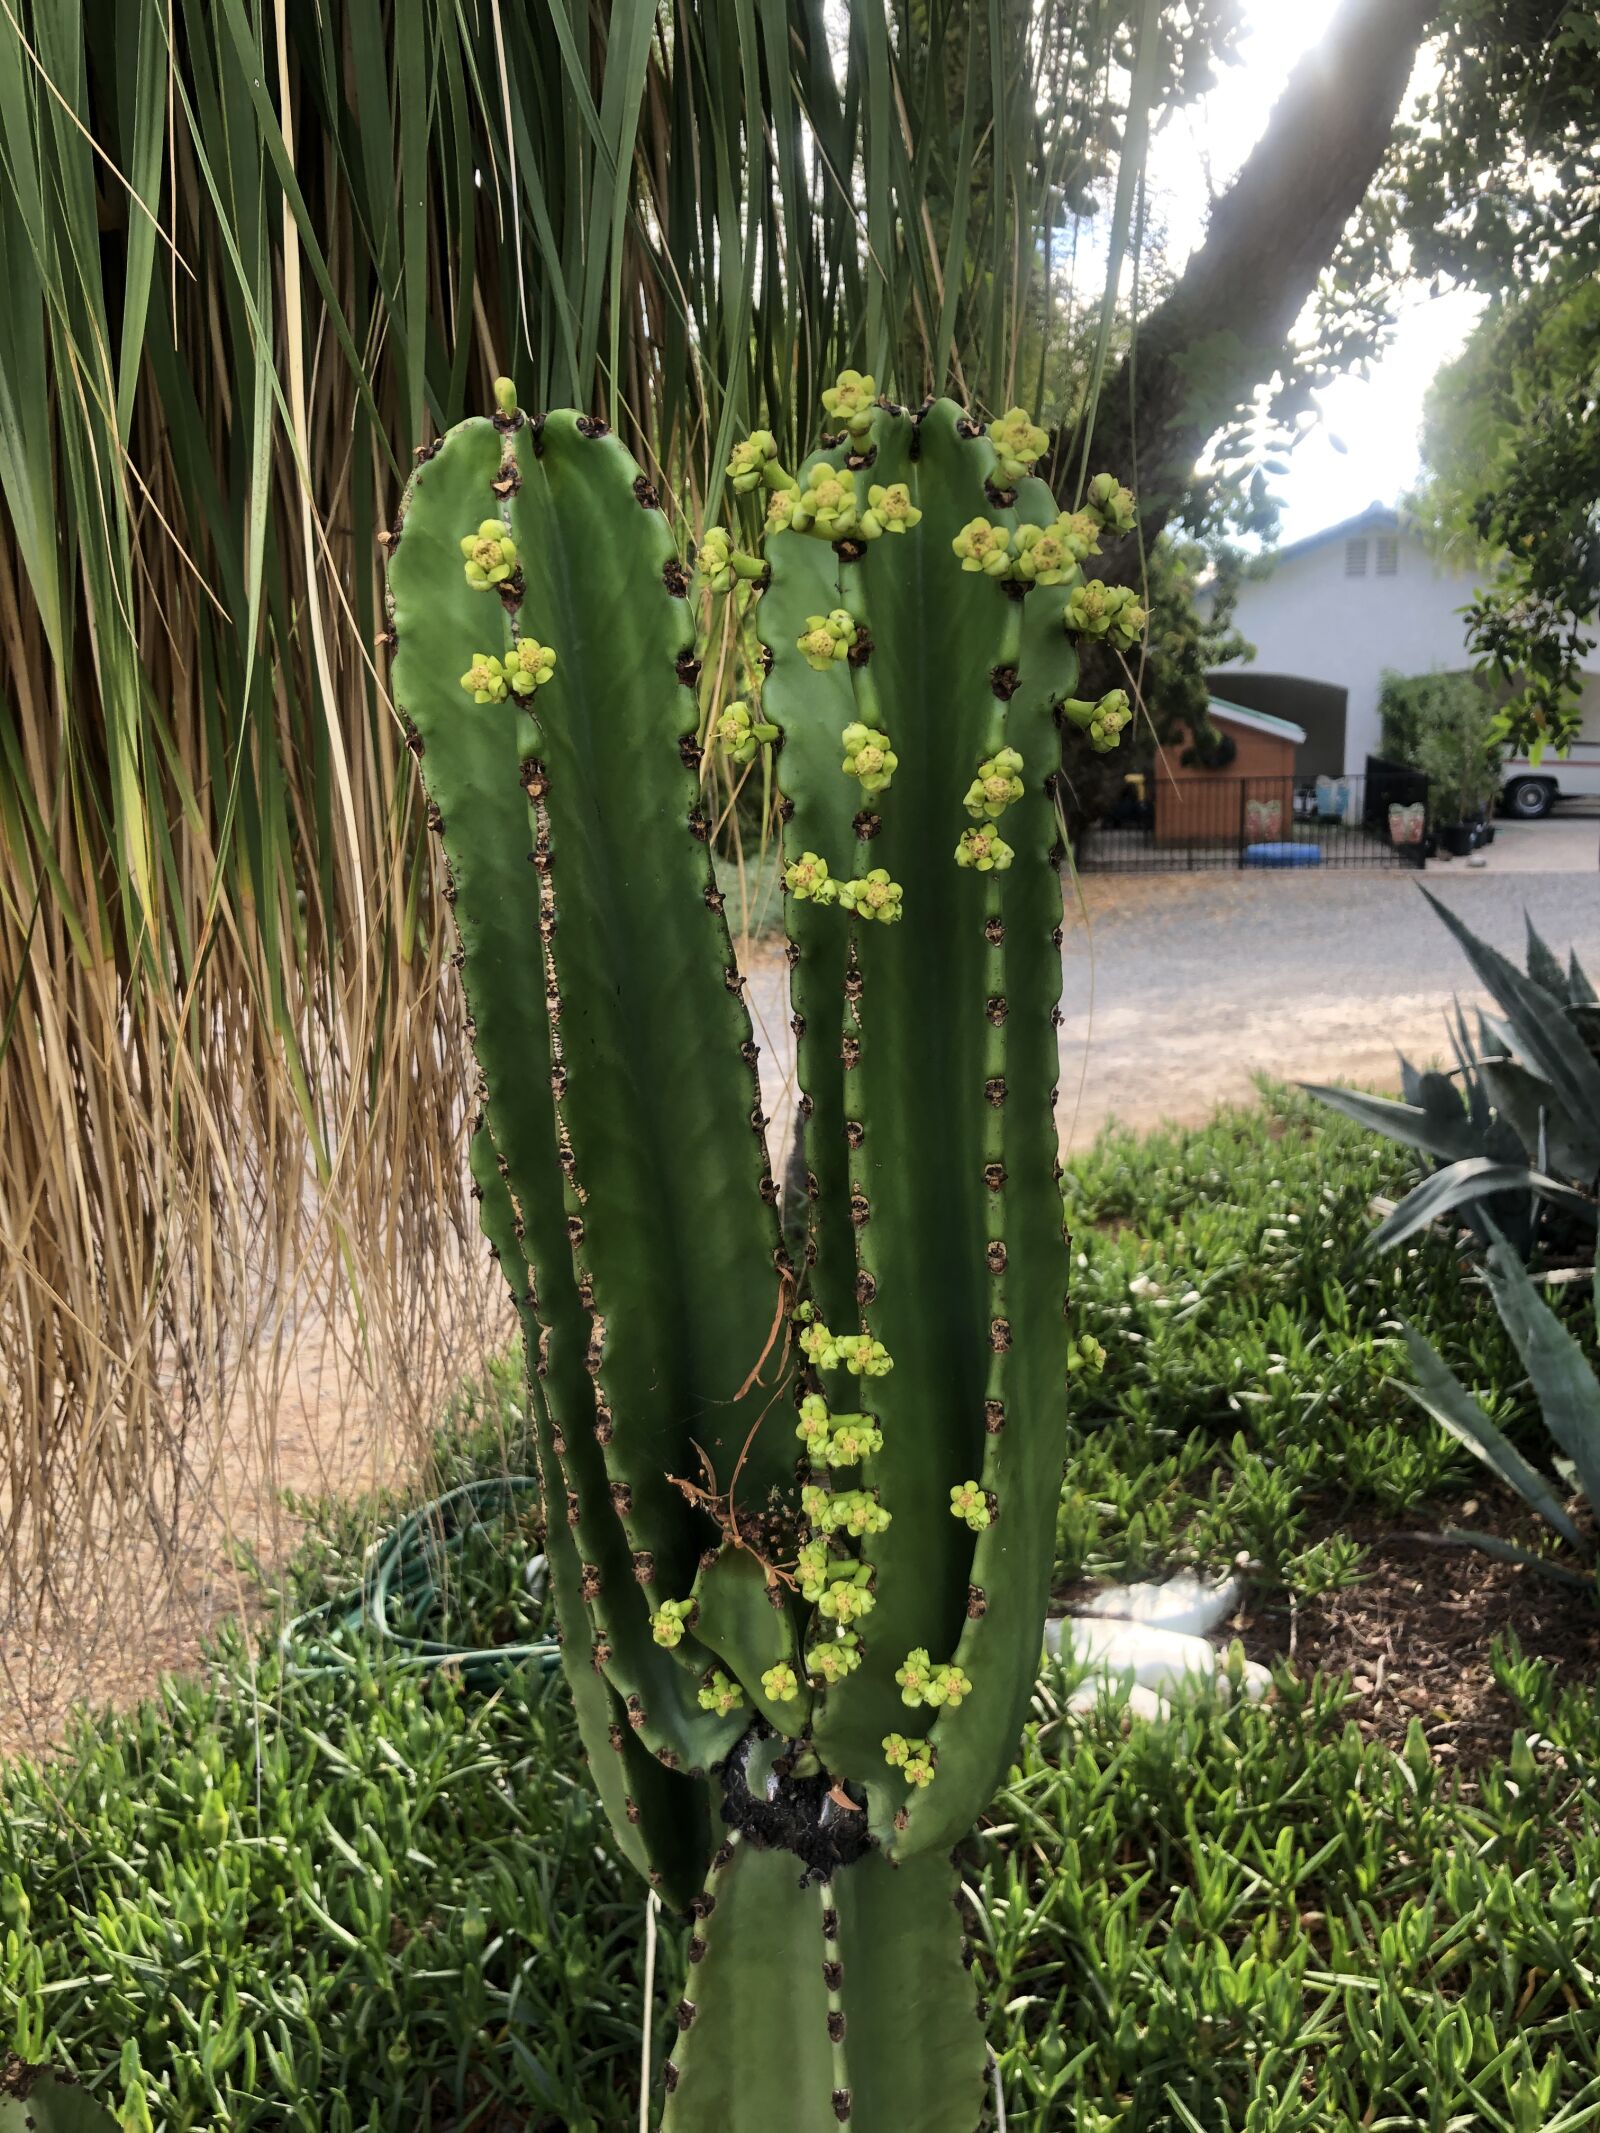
[1415,1635]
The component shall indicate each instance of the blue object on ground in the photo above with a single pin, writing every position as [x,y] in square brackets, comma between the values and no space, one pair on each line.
[1283,855]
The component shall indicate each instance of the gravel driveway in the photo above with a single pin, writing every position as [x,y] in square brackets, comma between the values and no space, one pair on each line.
[1181,988]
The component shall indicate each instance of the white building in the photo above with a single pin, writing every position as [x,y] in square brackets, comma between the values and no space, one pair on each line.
[1334,611]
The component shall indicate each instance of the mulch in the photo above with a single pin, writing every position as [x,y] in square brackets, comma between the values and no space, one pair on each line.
[1415,1634]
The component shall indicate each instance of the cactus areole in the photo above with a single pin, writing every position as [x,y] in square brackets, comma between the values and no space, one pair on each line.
[800,1502]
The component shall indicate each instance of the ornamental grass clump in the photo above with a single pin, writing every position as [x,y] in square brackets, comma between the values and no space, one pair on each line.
[797,1490]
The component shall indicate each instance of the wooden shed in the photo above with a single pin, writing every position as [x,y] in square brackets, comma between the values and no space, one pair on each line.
[1247,799]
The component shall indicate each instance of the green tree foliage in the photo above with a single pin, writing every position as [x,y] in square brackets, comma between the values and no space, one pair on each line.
[1512,445]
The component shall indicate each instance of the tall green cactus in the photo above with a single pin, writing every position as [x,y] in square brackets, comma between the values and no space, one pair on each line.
[800,1514]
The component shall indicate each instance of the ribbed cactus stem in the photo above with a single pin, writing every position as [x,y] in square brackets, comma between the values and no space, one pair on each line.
[833,1979]
[996,1009]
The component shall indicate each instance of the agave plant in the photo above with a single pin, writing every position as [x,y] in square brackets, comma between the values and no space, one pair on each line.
[1568,1393]
[1517,1127]
[801,1501]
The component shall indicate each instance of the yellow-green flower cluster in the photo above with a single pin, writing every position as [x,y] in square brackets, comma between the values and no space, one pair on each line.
[921,1682]
[830,1661]
[1113,612]
[529,665]
[984,850]
[720,565]
[850,401]
[873,896]
[853,1511]
[968,1501]
[848,1595]
[826,506]
[490,555]
[750,461]
[1103,721]
[912,1758]
[836,1440]
[997,784]
[740,733]
[1111,503]
[984,546]
[670,1619]
[857,1352]
[869,757]
[889,510]
[719,1694]
[781,1684]
[1018,442]
[485,680]
[827,639]
[807,879]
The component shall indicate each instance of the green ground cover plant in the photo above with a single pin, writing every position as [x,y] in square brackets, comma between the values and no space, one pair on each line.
[308,1895]
[1255,1380]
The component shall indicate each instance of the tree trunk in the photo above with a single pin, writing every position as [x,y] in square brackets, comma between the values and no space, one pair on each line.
[1222,330]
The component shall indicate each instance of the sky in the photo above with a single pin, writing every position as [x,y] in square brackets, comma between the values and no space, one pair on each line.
[1364,449]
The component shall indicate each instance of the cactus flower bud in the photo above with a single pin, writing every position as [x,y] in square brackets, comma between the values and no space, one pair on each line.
[912,1758]
[529,665]
[491,555]
[1111,503]
[845,1601]
[747,467]
[985,547]
[780,510]
[862,1356]
[1018,441]
[856,1512]
[781,1684]
[1102,721]
[1086,1354]
[807,880]
[874,896]
[984,850]
[485,680]
[850,400]
[968,1501]
[811,1569]
[947,1685]
[1110,611]
[889,510]
[854,1438]
[812,1427]
[1079,534]
[827,638]
[913,1677]
[667,1623]
[868,756]
[817,1344]
[719,1694]
[740,734]
[505,396]
[837,1656]
[714,558]
[826,506]
[997,784]
[1043,556]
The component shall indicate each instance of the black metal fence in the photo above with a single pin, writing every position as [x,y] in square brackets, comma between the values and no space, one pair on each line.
[1163,825]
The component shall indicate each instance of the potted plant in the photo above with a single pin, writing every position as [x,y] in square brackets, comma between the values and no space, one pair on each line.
[1449,737]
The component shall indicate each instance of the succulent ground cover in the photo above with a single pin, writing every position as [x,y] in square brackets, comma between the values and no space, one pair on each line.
[355,1898]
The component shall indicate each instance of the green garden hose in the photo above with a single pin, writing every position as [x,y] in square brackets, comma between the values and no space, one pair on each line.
[405,1577]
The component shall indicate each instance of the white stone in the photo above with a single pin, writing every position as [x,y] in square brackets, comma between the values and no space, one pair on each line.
[1158,1661]
[1186,1603]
